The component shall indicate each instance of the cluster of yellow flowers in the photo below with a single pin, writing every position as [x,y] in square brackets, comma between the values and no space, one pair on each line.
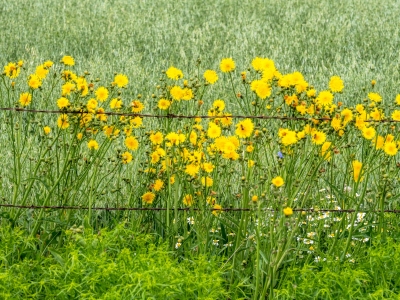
[193,150]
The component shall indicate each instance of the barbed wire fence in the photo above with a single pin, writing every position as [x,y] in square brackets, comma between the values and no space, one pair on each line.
[174,116]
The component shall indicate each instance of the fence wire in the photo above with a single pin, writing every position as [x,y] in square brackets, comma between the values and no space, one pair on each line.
[229,209]
[174,116]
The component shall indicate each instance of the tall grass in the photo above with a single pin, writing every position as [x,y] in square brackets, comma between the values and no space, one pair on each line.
[261,249]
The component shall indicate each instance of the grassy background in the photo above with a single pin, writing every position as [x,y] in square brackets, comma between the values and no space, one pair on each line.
[356,39]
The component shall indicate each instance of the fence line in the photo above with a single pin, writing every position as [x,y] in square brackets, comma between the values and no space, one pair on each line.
[174,116]
[395,211]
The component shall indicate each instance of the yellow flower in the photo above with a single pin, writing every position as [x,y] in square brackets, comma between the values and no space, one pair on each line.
[156,138]
[188,200]
[254,198]
[347,115]
[287,211]
[226,120]
[244,128]
[115,103]
[227,65]
[319,137]
[192,169]
[324,150]
[137,106]
[277,181]
[311,93]
[79,136]
[219,105]
[263,64]
[47,129]
[67,88]
[91,104]
[210,76]
[208,167]
[213,131]
[288,137]
[62,102]
[62,121]
[187,94]
[41,72]
[357,166]
[101,94]
[174,73]
[176,93]
[12,70]
[249,148]
[126,157]
[155,157]
[148,197]
[325,98]
[378,142]
[390,148]
[375,97]
[101,115]
[131,143]
[121,80]
[48,64]
[174,138]
[25,99]
[34,81]
[206,181]
[93,145]
[68,60]
[336,84]
[397,100]
[250,163]
[164,104]
[368,133]
[396,115]
[158,185]
[217,209]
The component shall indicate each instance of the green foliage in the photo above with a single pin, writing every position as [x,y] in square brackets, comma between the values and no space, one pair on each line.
[373,276]
[116,264]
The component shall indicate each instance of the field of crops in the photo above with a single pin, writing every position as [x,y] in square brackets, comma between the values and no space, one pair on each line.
[199,149]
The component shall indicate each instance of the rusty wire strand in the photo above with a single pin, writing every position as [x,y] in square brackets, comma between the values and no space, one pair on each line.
[396,211]
[174,116]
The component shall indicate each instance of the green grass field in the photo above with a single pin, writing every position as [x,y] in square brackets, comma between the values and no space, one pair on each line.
[265,252]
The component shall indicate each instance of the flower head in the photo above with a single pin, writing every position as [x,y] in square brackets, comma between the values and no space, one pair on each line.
[375,97]
[102,94]
[287,211]
[174,73]
[25,99]
[210,76]
[121,80]
[277,181]
[131,143]
[336,84]
[148,197]
[244,128]
[126,157]
[93,145]
[46,130]
[227,65]
[68,60]
[164,104]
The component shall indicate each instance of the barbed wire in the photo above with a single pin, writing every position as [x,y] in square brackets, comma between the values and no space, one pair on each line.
[395,211]
[174,116]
